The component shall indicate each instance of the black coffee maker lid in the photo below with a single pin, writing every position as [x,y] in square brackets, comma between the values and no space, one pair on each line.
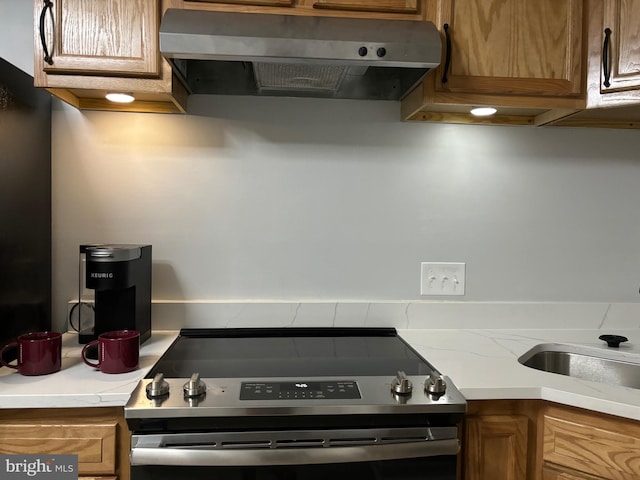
[113,252]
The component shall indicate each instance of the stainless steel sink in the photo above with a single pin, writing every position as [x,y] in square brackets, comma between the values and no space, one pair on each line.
[584,363]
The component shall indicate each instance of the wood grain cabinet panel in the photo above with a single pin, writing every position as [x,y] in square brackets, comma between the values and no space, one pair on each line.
[99,436]
[382,6]
[565,474]
[496,447]
[104,46]
[381,9]
[524,57]
[512,47]
[622,19]
[613,67]
[539,440]
[263,3]
[603,447]
[95,445]
[106,37]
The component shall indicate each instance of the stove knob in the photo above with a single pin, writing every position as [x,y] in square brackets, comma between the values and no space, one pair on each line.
[157,387]
[435,384]
[401,384]
[194,387]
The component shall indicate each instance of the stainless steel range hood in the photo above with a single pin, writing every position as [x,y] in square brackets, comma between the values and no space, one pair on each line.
[288,55]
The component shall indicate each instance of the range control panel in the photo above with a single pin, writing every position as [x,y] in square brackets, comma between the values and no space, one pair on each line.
[339,389]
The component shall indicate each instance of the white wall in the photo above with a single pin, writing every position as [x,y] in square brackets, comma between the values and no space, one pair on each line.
[298,199]
[16,33]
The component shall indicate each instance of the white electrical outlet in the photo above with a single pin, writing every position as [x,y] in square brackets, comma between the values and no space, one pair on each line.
[442,278]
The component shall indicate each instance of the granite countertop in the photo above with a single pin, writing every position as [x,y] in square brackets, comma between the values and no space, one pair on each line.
[77,384]
[482,363]
[484,366]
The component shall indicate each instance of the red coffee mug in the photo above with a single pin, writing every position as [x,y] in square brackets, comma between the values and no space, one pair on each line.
[39,353]
[118,351]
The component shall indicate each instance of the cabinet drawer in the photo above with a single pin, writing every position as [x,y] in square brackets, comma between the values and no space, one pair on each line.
[599,446]
[94,444]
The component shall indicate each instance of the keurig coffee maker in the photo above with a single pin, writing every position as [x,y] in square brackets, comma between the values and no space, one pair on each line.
[120,277]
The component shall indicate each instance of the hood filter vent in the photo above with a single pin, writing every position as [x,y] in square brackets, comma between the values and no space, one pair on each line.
[229,53]
[299,77]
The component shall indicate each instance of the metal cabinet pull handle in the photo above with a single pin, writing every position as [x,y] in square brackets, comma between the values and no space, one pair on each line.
[447,58]
[606,63]
[48,5]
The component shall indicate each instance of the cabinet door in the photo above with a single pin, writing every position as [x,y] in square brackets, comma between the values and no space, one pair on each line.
[512,47]
[496,447]
[621,20]
[106,37]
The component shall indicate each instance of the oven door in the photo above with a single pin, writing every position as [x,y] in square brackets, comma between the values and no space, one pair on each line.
[381,454]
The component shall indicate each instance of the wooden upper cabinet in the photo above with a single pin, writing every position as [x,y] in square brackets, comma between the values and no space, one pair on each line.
[381,6]
[258,3]
[512,47]
[383,9]
[90,48]
[106,37]
[621,50]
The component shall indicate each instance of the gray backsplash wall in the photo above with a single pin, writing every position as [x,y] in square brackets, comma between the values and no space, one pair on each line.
[323,201]
[320,200]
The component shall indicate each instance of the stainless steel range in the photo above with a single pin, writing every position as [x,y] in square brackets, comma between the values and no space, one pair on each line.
[291,404]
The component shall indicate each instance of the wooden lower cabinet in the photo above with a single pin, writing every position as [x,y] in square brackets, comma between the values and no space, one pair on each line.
[594,446]
[549,473]
[539,440]
[498,447]
[499,440]
[99,436]
[565,474]
[502,440]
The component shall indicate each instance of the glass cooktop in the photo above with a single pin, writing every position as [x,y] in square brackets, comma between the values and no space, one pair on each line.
[289,352]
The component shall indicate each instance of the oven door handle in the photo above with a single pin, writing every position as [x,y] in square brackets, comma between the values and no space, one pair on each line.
[184,456]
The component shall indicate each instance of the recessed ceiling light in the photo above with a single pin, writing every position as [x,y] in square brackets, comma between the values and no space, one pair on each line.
[120,97]
[483,111]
